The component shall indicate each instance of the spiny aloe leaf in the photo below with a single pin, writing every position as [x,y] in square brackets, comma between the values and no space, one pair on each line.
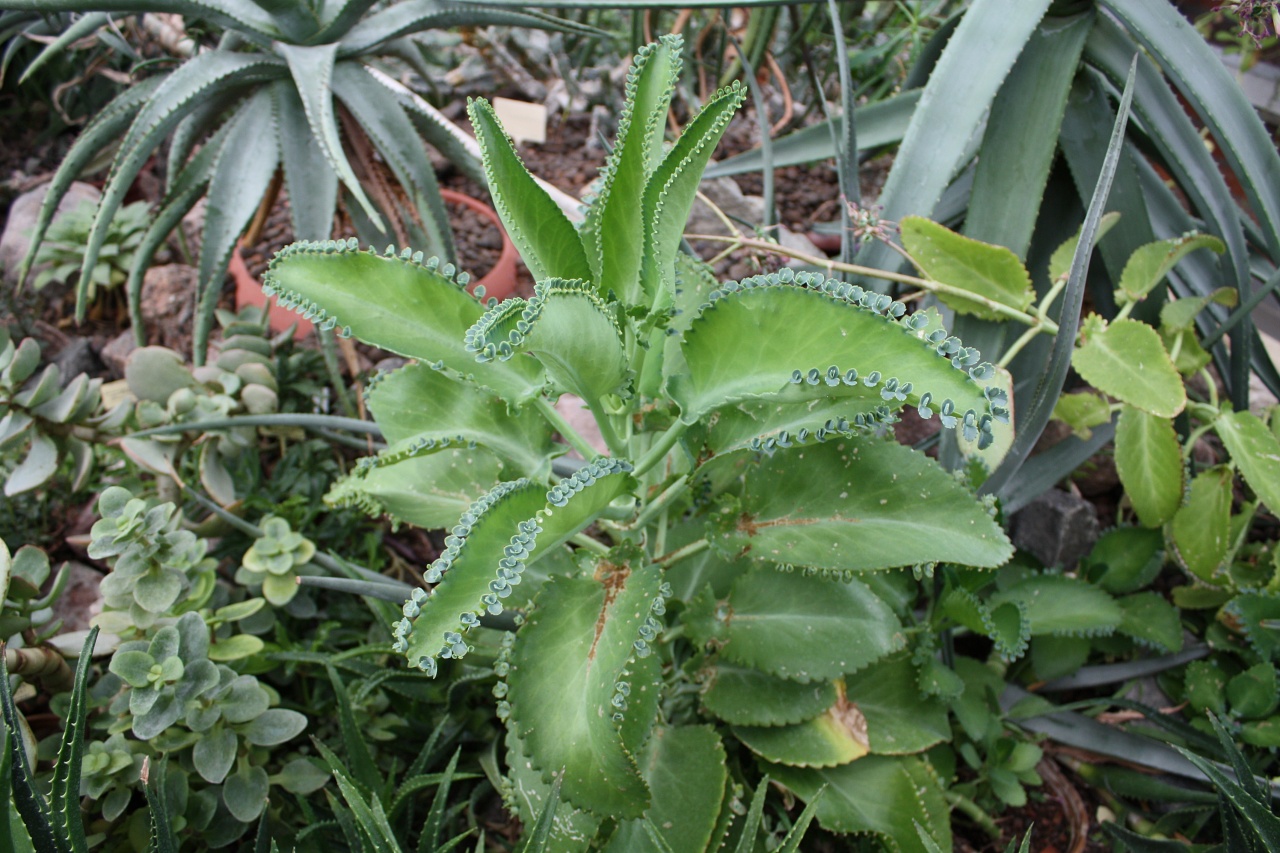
[572,829]
[858,504]
[838,626]
[430,491]
[744,696]
[685,769]
[671,189]
[835,737]
[1149,461]
[1127,360]
[1151,621]
[172,99]
[979,268]
[28,800]
[1255,450]
[567,328]
[398,303]
[1202,527]
[418,402]
[1148,266]
[877,795]
[310,181]
[613,233]
[569,696]
[488,549]
[880,692]
[547,241]
[1057,604]
[65,790]
[850,337]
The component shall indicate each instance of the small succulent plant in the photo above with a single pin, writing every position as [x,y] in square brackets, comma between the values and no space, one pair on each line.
[274,561]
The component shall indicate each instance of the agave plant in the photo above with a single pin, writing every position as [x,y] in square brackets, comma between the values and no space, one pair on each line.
[750,494]
[285,93]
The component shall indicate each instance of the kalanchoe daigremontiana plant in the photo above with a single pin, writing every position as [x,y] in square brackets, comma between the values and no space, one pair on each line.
[750,493]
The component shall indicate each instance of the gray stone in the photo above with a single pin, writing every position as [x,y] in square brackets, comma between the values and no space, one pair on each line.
[169,305]
[117,352]
[81,599]
[75,358]
[23,213]
[1057,528]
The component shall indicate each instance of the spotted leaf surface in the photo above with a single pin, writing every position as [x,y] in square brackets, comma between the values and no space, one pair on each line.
[572,684]
[745,696]
[835,737]
[858,504]
[1255,451]
[399,302]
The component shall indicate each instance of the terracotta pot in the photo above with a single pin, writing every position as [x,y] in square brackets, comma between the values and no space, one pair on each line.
[501,280]
[249,292]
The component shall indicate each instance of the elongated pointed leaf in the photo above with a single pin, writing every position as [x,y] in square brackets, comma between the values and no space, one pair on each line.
[877,795]
[856,505]
[236,14]
[842,625]
[455,409]
[312,69]
[416,16]
[180,93]
[1149,461]
[1255,450]
[548,243]
[383,120]
[309,179]
[397,303]
[851,340]
[613,233]
[980,268]
[567,328]
[567,696]
[79,28]
[671,189]
[29,801]
[243,170]
[488,551]
[65,790]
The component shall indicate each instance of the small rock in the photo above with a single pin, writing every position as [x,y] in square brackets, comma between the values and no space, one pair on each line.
[169,305]
[1056,528]
[75,358]
[117,351]
[23,214]
[81,599]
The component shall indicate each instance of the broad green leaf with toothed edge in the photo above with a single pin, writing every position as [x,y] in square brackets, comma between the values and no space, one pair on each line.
[745,696]
[1255,451]
[835,737]
[487,551]
[881,692]
[562,688]
[1127,360]
[1202,526]
[1149,462]
[1057,604]
[572,829]
[858,504]
[1148,266]
[430,490]
[980,268]
[843,625]
[399,303]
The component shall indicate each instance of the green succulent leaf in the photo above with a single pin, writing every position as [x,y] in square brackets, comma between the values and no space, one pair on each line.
[547,241]
[1151,621]
[273,726]
[983,269]
[1127,360]
[567,699]
[454,409]
[614,229]
[245,793]
[1204,686]
[1125,559]
[1253,694]
[567,327]
[843,625]
[743,696]
[1082,410]
[312,184]
[430,491]
[1257,616]
[742,426]
[1149,265]
[685,770]
[487,552]
[1255,450]
[1149,462]
[835,737]
[885,796]
[214,754]
[401,304]
[1202,527]
[858,504]
[851,338]
[1057,604]
[881,692]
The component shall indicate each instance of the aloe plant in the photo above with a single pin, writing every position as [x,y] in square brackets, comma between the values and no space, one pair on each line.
[283,94]
[750,495]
